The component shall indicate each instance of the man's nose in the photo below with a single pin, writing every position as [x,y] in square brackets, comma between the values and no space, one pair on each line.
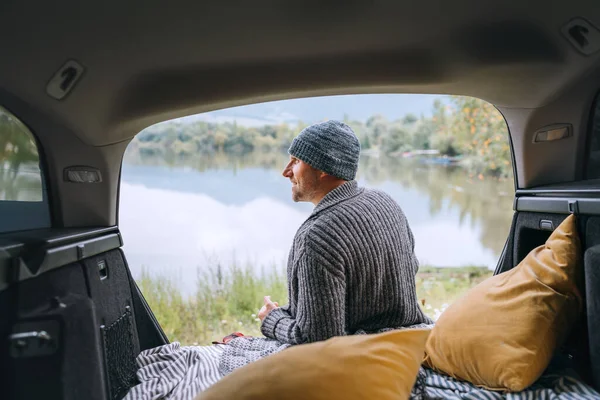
[287,171]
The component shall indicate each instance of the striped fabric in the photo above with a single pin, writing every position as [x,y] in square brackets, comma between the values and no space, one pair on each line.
[175,372]
[548,387]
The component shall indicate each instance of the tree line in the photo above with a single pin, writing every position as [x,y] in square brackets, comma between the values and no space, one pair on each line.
[464,129]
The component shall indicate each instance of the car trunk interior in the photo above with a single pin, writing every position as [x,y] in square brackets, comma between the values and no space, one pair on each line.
[72,317]
[96,320]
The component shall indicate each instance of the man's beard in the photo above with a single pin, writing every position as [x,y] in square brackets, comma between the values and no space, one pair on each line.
[305,191]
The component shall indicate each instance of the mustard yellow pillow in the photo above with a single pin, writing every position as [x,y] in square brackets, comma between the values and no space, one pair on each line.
[502,334]
[380,366]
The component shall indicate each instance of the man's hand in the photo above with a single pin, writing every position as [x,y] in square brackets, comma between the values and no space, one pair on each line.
[267,308]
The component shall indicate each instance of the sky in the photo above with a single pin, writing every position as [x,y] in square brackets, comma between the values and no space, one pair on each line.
[310,110]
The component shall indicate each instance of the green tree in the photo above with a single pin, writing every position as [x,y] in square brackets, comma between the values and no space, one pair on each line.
[377,127]
[397,140]
[409,119]
[423,134]
[18,153]
[480,133]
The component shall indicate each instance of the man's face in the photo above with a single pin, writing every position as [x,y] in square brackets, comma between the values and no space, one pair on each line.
[304,178]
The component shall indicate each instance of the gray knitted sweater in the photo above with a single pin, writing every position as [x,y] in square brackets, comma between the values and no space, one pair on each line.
[351,267]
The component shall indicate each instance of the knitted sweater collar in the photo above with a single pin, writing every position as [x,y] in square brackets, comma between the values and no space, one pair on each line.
[337,195]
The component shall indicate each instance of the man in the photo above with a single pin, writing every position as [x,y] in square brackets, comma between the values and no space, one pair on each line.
[352,264]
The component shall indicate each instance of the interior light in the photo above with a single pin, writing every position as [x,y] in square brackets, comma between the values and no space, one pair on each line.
[83,175]
[555,132]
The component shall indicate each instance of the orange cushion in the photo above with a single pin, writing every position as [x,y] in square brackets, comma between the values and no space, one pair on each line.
[502,333]
[380,366]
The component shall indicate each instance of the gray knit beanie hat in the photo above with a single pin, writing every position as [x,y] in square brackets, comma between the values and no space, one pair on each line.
[331,147]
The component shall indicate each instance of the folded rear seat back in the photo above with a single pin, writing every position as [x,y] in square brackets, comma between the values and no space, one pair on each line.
[592,292]
[74,333]
[65,363]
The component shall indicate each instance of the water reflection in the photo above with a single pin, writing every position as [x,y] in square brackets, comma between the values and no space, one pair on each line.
[479,201]
[225,208]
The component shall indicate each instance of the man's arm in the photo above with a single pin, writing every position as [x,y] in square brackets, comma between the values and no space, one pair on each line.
[321,309]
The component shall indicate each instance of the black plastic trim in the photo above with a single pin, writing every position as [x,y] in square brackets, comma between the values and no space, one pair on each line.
[559,205]
[508,247]
[576,188]
[53,237]
[512,150]
[39,251]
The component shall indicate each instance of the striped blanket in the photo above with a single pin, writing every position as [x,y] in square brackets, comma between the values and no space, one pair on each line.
[175,372]
[431,385]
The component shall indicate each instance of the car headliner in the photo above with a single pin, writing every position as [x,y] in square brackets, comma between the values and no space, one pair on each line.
[148,62]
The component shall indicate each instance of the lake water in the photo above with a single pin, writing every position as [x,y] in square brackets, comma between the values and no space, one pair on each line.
[180,216]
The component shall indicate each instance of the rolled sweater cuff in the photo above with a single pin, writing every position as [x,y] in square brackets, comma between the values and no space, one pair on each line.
[270,322]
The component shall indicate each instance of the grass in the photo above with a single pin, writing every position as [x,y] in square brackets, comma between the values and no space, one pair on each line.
[227,299]
[437,287]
